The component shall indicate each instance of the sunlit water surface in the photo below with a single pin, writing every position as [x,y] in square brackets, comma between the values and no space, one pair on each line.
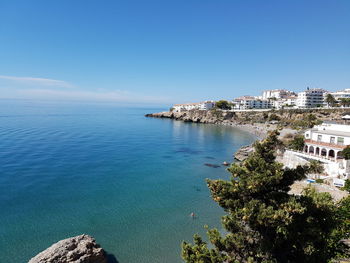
[129,181]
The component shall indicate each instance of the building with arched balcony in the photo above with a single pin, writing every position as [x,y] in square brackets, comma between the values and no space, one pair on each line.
[325,143]
[327,140]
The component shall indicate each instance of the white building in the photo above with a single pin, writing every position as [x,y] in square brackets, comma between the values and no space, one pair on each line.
[291,100]
[342,94]
[325,142]
[327,139]
[205,105]
[276,93]
[311,98]
[250,102]
[286,102]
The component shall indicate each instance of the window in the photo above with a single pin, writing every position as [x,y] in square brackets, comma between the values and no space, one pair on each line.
[332,140]
[319,138]
[340,140]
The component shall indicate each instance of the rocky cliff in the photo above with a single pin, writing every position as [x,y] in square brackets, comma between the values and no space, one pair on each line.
[79,249]
[197,116]
[293,117]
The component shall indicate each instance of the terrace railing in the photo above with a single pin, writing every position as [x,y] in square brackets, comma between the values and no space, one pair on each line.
[326,144]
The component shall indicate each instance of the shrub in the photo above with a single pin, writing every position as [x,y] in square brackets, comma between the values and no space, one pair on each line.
[223,105]
[297,143]
[347,185]
[346,153]
[315,167]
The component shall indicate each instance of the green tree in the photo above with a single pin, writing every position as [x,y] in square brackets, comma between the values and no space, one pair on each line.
[343,214]
[347,186]
[297,143]
[311,120]
[330,100]
[345,102]
[223,105]
[315,167]
[264,223]
[346,153]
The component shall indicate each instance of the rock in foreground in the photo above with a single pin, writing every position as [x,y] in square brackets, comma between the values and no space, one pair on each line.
[243,152]
[79,249]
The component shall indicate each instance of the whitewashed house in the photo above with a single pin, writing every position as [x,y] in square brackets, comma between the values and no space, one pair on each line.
[286,102]
[342,94]
[250,102]
[325,143]
[205,105]
[291,101]
[311,98]
[327,139]
[277,94]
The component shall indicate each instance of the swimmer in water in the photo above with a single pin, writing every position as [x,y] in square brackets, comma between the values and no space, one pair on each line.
[192,215]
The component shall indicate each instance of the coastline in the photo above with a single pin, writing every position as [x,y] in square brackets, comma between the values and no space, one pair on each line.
[256,130]
[259,130]
[257,127]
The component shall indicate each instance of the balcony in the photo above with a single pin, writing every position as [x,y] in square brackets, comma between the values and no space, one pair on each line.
[326,144]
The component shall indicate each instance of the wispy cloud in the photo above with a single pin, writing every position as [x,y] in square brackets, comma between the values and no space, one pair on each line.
[43,82]
[44,88]
[93,95]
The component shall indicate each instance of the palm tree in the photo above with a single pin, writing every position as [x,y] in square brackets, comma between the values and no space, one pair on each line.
[315,167]
[331,101]
[345,102]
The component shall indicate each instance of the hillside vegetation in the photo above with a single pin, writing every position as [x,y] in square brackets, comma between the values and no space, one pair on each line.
[296,119]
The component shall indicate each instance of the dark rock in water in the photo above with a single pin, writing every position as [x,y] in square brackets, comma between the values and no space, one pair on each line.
[187,150]
[243,152]
[212,165]
[79,249]
[209,157]
[197,188]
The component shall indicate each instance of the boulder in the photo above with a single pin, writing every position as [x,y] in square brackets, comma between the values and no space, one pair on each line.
[212,165]
[243,152]
[79,249]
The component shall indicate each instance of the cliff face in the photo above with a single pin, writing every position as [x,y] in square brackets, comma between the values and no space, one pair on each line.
[198,116]
[286,117]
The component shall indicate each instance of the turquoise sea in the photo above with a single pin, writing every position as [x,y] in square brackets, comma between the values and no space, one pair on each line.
[129,181]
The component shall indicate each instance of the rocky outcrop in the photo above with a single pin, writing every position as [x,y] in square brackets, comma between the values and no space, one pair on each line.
[251,117]
[198,116]
[243,152]
[79,249]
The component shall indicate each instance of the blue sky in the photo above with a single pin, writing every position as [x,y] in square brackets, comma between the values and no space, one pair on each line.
[171,51]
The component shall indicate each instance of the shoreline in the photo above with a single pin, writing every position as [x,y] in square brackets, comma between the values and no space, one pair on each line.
[259,130]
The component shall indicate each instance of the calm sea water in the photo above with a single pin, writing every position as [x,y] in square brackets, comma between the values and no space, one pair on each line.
[129,181]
